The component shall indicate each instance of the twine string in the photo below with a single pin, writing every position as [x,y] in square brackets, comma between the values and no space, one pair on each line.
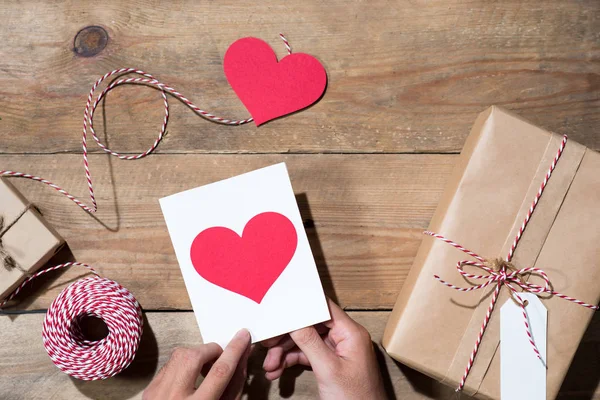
[5,258]
[88,123]
[499,274]
[286,43]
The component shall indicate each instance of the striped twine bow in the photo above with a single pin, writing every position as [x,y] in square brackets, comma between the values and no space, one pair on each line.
[499,273]
[62,333]
[96,296]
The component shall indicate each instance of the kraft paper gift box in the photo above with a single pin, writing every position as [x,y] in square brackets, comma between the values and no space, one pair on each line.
[432,327]
[27,241]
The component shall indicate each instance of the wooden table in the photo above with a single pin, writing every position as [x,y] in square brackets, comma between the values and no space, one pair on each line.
[369,161]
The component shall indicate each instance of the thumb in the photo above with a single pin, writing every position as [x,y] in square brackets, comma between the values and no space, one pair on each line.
[314,348]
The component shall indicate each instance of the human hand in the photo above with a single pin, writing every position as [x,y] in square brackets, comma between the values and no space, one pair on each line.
[340,353]
[225,378]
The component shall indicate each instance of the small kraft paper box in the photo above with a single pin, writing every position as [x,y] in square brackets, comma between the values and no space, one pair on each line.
[433,328]
[27,241]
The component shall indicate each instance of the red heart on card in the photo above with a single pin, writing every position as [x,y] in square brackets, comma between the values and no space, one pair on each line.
[270,89]
[247,264]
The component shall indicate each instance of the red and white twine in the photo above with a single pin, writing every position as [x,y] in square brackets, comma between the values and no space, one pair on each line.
[96,296]
[503,276]
[286,43]
[88,123]
[62,335]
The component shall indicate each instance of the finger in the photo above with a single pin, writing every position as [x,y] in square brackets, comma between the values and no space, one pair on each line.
[236,386]
[268,343]
[183,368]
[222,371]
[276,353]
[329,342]
[338,315]
[342,326]
[319,355]
[294,357]
[273,341]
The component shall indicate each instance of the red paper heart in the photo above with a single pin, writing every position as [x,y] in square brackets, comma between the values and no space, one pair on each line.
[250,264]
[270,89]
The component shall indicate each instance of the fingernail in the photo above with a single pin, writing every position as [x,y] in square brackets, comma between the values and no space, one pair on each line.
[243,334]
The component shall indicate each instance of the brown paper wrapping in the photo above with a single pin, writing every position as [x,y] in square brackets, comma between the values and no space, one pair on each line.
[29,241]
[433,328]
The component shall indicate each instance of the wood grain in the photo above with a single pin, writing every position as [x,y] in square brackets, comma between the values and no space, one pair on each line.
[364,215]
[404,76]
[26,371]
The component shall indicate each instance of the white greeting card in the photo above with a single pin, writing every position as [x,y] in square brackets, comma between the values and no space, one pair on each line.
[245,257]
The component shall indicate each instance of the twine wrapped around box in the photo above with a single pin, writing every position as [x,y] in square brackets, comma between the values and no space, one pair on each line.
[5,258]
[498,270]
[27,241]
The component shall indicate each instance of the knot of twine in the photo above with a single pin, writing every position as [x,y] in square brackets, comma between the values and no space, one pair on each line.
[499,264]
[506,272]
[502,272]
[5,258]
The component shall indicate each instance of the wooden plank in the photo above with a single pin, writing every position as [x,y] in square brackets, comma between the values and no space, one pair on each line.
[364,215]
[404,76]
[26,372]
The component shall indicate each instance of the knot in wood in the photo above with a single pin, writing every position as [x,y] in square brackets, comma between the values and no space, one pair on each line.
[90,41]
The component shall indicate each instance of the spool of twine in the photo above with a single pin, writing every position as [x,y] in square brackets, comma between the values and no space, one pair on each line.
[62,331]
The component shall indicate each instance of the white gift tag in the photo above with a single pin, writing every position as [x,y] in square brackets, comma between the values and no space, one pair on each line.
[522,373]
